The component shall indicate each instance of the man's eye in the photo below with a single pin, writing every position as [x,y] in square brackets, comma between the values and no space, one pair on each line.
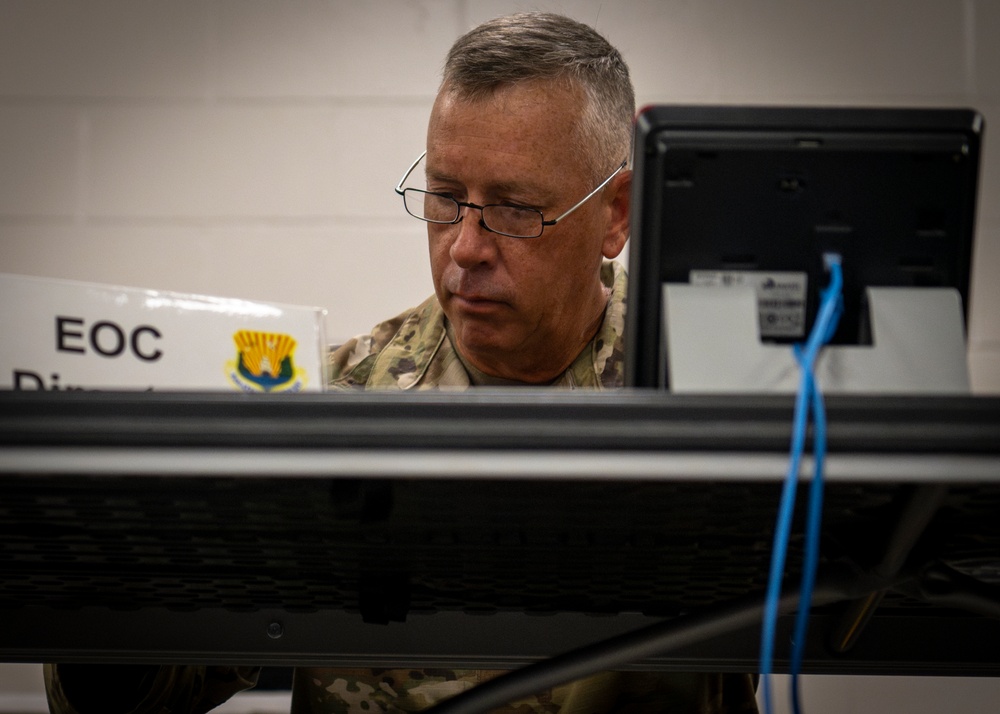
[515,210]
[517,206]
[445,193]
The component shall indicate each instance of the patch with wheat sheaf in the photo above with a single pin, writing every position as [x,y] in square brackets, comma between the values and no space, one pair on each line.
[265,363]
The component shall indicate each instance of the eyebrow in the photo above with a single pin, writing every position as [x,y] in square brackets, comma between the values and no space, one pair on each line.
[538,194]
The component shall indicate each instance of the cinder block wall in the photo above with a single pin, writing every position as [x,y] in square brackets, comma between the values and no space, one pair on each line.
[248,148]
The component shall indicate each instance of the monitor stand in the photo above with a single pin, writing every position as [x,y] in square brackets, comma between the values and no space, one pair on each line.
[713,345]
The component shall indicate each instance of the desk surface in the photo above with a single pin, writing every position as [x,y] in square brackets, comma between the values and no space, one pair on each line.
[486,528]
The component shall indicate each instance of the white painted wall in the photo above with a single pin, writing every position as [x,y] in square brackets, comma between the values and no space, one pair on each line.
[248,148]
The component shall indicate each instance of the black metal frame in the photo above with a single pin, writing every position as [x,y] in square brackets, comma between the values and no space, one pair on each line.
[492,528]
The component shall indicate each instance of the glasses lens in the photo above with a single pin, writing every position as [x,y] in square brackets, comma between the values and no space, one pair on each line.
[429,206]
[513,221]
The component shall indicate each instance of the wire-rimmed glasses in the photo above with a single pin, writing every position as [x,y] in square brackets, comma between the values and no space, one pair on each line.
[505,219]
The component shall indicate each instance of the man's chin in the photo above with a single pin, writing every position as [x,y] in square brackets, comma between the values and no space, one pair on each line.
[482,347]
[482,343]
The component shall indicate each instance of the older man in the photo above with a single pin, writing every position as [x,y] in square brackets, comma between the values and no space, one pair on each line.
[525,192]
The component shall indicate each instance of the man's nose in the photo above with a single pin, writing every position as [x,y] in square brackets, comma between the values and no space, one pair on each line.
[473,244]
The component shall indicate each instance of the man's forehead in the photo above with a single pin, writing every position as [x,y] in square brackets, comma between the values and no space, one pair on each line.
[518,137]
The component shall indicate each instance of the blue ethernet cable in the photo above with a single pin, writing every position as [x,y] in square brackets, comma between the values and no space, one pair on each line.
[831,306]
[833,296]
[811,557]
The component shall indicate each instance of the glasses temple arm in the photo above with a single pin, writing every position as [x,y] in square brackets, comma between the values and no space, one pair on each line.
[399,186]
[586,198]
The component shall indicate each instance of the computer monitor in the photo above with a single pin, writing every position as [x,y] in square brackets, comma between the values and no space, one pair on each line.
[758,194]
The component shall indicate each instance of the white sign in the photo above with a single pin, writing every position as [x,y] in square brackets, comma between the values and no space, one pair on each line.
[65,335]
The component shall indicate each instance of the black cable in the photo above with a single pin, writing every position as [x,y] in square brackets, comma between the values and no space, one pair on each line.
[623,649]
[919,507]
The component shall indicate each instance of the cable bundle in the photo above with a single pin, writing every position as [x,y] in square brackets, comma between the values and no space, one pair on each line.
[808,399]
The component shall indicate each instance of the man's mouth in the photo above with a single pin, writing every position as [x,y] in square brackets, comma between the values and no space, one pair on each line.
[476,301]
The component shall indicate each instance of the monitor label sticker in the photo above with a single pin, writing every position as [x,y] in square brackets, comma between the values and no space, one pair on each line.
[781,297]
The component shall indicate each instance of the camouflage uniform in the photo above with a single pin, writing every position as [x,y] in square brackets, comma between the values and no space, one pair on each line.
[374,691]
[414,351]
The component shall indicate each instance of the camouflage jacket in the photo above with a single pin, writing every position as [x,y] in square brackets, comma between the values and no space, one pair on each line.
[195,689]
[413,350]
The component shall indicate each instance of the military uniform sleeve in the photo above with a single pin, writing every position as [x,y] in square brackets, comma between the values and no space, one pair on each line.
[142,689]
[350,364]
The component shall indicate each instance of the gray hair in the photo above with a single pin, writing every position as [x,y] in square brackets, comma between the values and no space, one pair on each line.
[545,46]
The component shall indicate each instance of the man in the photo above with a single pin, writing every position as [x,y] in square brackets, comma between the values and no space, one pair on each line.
[533,114]
[526,196]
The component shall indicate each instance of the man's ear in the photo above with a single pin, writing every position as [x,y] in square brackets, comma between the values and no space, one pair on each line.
[618,196]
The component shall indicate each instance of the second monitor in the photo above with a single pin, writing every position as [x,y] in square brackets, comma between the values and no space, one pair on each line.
[755,196]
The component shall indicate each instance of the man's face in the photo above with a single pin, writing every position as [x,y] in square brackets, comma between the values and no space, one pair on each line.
[520,308]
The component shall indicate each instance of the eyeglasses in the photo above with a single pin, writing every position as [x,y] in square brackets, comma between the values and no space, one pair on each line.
[511,221]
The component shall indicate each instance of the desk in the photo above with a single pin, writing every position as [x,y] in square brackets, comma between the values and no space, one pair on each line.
[486,528]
